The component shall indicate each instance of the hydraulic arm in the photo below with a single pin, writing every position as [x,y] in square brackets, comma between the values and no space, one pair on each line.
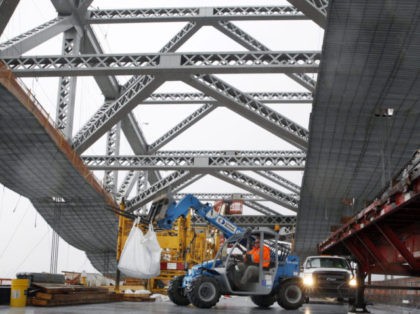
[165,213]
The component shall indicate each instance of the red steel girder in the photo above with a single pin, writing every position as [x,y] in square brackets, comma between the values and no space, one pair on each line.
[398,245]
[380,258]
[352,247]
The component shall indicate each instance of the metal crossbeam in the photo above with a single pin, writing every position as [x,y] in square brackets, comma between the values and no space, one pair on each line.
[233,31]
[203,15]
[36,36]
[254,186]
[112,150]
[108,84]
[260,208]
[127,185]
[194,98]
[251,109]
[128,98]
[181,127]
[181,37]
[233,153]
[130,126]
[252,221]
[213,197]
[109,115]
[172,183]
[7,7]
[175,64]
[137,141]
[67,86]
[202,163]
[316,10]
[280,181]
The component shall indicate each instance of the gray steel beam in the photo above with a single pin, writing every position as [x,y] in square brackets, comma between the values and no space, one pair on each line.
[213,197]
[280,181]
[111,90]
[261,208]
[194,98]
[7,7]
[142,182]
[254,186]
[246,40]
[251,109]
[316,10]
[198,163]
[203,15]
[67,86]
[185,124]
[254,220]
[112,150]
[18,45]
[233,153]
[110,114]
[127,185]
[241,37]
[136,140]
[108,84]
[181,37]
[133,92]
[64,7]
[171,183]
[170,64]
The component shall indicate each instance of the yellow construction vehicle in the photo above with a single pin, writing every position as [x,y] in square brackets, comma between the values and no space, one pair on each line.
[183,246]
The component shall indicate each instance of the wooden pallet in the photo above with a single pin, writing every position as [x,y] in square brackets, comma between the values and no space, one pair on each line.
[57,294]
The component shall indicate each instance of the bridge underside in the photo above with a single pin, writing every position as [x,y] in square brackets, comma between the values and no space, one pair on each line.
[384,237]
[369,64]
[38,163]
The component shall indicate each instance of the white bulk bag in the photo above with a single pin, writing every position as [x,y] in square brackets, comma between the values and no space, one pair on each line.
[153,247]
[140,254]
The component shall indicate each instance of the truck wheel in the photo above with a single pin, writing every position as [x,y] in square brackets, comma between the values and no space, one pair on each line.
[204,292]
[176,292]
[263,301]
[290,295]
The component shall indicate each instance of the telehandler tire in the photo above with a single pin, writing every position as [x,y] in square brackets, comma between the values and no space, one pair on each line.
[290,295]
[176,293]
[263,301]
[204,292]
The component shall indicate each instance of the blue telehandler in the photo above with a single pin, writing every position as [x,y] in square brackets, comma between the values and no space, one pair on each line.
[204,283]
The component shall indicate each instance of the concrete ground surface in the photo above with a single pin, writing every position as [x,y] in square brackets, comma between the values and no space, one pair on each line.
[234,305]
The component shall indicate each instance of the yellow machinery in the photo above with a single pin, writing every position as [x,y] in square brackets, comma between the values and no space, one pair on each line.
[182,247]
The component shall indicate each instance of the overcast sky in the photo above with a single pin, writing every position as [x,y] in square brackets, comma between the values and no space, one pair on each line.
[26,238]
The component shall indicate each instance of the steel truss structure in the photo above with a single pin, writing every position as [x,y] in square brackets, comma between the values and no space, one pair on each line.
[82,55]
[193,161]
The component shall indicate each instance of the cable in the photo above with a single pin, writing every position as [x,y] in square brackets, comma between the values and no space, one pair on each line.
[14,209]
[14,233]
[30,252]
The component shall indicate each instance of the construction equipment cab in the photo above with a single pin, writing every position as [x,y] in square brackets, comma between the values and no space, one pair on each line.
[270,281]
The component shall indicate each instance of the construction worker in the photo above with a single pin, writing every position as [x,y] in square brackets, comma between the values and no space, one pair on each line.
[252,259]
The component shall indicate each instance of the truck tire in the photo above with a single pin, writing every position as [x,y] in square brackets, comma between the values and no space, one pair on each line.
[290,295]
[204,292]
[176,293]
[263,301]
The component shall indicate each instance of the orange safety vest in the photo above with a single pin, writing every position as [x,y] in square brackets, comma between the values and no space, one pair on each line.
[255,256]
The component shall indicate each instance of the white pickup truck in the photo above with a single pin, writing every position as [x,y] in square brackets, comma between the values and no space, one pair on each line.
[328,277]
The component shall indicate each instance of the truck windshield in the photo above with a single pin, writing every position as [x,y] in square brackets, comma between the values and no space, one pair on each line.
[326,262]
